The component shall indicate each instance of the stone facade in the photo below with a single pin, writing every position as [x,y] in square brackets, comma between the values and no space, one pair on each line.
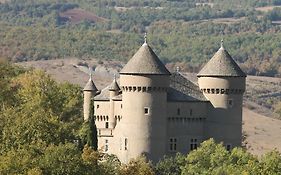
[156,113]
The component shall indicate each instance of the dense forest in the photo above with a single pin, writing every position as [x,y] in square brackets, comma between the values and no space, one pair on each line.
[184,31]
[41,131]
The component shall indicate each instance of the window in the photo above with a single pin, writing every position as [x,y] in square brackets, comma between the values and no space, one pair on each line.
[190,112]
[98,106]
[126,144]
[106,145]
[120,142]
[193,144]
[146,110]
[228,147]
[179,111]
[173,144]
[106,124]
[230,102]
[121,106]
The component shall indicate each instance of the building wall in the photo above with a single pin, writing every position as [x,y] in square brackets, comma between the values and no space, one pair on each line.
[185,124]
[224,123]
[169,127]
[143,126]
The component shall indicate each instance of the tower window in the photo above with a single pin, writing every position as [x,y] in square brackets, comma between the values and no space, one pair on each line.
[126,144]
[230,102]
[228,147]
[179,111]
[190,112]
[193,144]
[173,144]
[121,106]
[146,110]
[120,142]
[106,145]
[98,106]
[106,124]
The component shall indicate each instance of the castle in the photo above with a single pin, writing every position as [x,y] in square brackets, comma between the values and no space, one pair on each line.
[156,113]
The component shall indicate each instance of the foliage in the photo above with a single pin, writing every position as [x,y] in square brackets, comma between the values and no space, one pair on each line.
[182,31]
[170,165]
[88,134]
[138,166]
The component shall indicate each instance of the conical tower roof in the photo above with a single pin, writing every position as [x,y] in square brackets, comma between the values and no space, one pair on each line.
[114,85]
[145,61]
[221,65]
[90,86]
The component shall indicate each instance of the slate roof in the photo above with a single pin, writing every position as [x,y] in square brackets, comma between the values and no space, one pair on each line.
[90,86]
[114,86]
[181,89]
[145,61]
[221,64]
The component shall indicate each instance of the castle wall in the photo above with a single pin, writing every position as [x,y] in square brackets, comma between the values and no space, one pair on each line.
[185,125]
[143,126]
[224,123]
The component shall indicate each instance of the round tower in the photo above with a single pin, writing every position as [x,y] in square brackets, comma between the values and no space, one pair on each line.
[223,83]
[114,90]
[89,91]
[144,82]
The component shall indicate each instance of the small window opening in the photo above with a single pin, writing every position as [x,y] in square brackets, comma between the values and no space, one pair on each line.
[193,144]
[190,112]
[126,144]
[98,106]
[179,111]
[173,144]
[228,147]
[106,124]
[146,110]
[106,145]
[230,102]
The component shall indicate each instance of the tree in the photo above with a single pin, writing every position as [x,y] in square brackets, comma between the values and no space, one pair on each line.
[88,134]
[170,165]
[138,166]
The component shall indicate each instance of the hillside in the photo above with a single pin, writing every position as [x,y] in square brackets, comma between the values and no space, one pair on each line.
[262,133]
[187,32]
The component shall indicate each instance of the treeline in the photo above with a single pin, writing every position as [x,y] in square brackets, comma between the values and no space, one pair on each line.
[40,129]
[179,31]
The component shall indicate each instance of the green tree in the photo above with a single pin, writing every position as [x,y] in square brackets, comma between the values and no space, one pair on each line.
[170,165]
[138,166]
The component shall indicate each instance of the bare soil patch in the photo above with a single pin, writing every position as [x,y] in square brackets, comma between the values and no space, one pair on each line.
[266,9]
[228,20]
[78,15]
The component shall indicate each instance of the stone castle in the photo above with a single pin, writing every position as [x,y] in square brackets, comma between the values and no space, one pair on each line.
[156,113]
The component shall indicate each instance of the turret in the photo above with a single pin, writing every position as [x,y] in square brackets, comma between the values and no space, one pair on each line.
[223,83]
[144,82]
[89,91]
[114,90]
